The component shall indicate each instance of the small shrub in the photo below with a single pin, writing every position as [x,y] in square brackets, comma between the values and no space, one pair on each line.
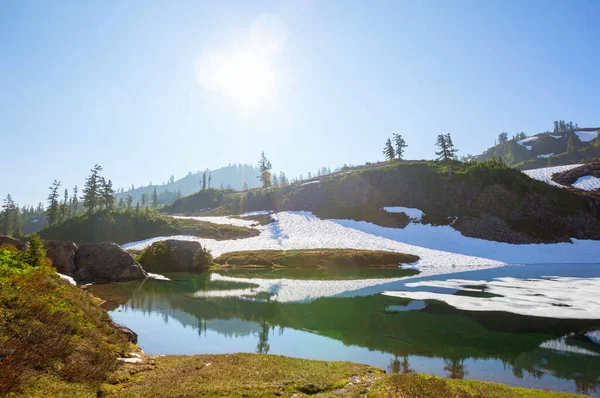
[203,258]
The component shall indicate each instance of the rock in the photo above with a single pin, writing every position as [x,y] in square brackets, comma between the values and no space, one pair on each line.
[108,262]
[131,335]
[82,275]
[6,240]
[178,258]
[62,255]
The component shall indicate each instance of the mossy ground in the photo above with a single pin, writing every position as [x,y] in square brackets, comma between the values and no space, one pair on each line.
[259,375]
[315,258]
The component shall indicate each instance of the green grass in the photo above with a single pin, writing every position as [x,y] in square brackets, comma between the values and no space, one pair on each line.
[316,258]
[259,375]
[325,274]
[128,226]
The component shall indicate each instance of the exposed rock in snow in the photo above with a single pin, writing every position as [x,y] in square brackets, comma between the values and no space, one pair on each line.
[411,212]
[551,297]
[586,136]
[587,183]
[546,155]
[545,174]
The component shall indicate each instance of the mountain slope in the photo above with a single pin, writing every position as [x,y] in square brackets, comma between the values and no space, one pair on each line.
[481,200]
[547,149]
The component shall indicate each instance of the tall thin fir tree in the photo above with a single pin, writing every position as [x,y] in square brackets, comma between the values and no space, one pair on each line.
[154,198]
[64,207]
[400,145]
[209,179]
[74,201]
[203,184]
[264,168]
[282,178]
[7,211]
[52,212]
[388,150]
[91,191]
[108,194]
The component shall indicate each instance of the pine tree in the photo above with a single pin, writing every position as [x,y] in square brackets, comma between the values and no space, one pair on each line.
[64,207]
[121,203]
[204,181]
[108,193]
[144,196]
[388,150]
[400,144]
[154,198]
[451,149]
[35,253]
[92,190]
[502,138]
[209,179]
[7,213]
[52,212]
[264,167]
[74,201]
[129,201]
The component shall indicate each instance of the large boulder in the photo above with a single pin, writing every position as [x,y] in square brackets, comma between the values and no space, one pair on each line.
[62,255]
[171,256]
[6,240]
[108,262]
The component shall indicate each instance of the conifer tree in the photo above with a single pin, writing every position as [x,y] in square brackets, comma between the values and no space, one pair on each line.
[64,207]
[121,203]
[92,190]
[52,212]
[74,201]
[203,185]
[282,178]
[274,180]
[108,193]
[144,196]
[502,138]
[400,144]
[264,167]
[7,213]
[35,253]
[209,179]
[129,201]
[388,150]
[154,198]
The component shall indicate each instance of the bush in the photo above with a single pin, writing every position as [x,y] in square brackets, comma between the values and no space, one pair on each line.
[203,258]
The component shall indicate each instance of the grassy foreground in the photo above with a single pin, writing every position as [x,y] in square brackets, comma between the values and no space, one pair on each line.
[259,375]
[316,258]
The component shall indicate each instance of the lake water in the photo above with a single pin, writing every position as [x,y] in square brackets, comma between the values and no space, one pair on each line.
[343,316]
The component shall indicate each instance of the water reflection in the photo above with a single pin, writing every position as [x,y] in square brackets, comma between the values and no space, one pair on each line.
[433,338]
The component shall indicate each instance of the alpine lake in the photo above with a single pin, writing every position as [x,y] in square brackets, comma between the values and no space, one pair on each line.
[341,315]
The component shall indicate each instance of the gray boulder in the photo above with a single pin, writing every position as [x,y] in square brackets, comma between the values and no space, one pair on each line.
[6,240]
[83,275]
[62,255]
[108,262]
[178,258]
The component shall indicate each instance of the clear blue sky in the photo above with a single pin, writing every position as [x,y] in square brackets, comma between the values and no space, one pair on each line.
[118,82]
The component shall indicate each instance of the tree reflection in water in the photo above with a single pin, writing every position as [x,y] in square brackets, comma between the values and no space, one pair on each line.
[455,368]
[263,346]
[397,366]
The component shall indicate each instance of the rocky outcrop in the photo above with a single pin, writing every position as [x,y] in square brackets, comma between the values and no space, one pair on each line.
[62,255]
[107,262]
[171,256]
[6,240]
[131,335]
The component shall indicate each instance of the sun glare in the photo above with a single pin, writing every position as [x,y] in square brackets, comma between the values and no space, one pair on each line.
[247,78]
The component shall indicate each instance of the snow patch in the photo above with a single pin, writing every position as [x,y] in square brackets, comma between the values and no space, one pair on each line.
[310,182]
[586,136]
[557,136]
[551,297]
[545,174]
[587,183]
[411,212]
[527,141]
[67,278]
[158,277]
[594,336]
[562,346]
[221,220]
[546,156]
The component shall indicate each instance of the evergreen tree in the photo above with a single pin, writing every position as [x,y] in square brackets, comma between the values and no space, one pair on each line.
[204,181]
[7,214]
[503,138]
[74,201]
[388,150]
[274,180]
[400,144]
[154,198]
[451,149]
[129,201]
[108,193]
[92,194]
[144,197]
[209,179]
[264,167]
[64,207]
[137,207]
[52,212]
[282,178]
[35,253]
[121,203]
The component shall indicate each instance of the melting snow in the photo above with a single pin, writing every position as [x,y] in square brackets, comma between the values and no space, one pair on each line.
[158,277]
[557,136]
[552,297]
[562,346]
[222,220]
[545,174]
[411,212]
[546,155]
[594,336]
[310,182]
[527,141]
[586,136]
[67,278]
[587,183]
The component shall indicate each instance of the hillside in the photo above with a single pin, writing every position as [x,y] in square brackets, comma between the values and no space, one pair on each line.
[547,149]
[483,200]
[233,176]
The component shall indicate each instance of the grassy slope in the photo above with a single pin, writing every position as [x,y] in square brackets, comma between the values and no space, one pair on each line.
[128,226]
[316,258]
[258,375]
[49,327]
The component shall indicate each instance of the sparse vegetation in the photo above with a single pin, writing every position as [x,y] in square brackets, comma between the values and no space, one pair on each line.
[316,258]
